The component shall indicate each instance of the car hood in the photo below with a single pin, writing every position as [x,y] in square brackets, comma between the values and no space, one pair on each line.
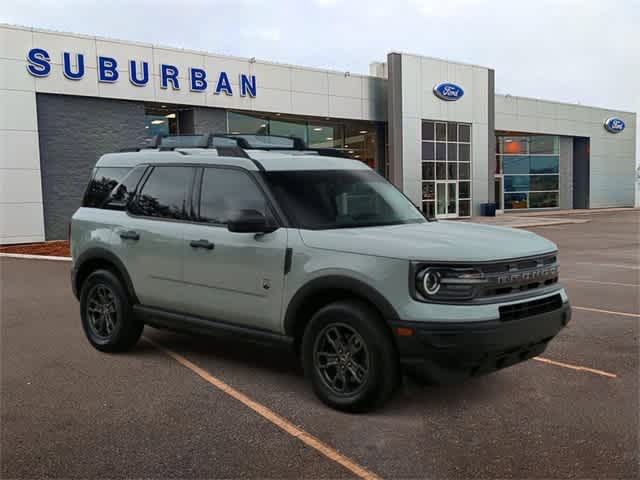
[458,241]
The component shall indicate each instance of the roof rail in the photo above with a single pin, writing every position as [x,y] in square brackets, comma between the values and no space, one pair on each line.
[252,141]
[234,143]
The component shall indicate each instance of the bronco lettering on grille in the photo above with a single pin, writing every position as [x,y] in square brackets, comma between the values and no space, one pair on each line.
[528,276]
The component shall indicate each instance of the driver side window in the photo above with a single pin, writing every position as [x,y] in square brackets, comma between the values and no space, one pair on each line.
[227,192]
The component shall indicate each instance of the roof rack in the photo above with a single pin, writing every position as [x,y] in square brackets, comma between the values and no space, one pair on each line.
[232,143]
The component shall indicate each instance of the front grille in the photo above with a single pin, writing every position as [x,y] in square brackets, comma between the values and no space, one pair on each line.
[528,309]
[516,276]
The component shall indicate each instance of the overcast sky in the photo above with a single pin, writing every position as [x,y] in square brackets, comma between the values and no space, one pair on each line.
[582,51]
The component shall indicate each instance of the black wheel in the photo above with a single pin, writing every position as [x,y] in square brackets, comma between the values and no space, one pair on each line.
[349,357]
[107,317]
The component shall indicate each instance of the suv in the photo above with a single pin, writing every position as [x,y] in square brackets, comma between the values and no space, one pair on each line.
[315,251]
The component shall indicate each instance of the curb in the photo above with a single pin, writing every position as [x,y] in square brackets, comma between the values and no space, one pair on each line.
[25,256]
[548,224]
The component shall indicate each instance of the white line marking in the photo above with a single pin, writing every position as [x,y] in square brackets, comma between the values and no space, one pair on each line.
[575,367]
[610,312]
[35,257]
[271,416]
[614,265]
[616,284]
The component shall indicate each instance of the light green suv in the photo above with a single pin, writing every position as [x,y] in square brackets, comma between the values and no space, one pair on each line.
[319,252]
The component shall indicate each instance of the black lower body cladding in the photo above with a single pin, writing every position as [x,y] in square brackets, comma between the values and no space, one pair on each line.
[450,352]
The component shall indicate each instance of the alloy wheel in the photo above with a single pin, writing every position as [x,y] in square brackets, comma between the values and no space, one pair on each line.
[101,311]
[341,358]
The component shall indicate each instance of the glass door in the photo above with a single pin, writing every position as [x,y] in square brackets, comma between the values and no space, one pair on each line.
[447,199]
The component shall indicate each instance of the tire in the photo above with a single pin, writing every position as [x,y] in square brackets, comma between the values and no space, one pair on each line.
[359,330]
[107,316]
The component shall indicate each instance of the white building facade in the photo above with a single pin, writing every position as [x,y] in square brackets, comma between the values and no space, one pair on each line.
[435,128]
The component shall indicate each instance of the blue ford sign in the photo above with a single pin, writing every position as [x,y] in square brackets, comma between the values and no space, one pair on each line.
[109,70]
[448,91]
[614,124]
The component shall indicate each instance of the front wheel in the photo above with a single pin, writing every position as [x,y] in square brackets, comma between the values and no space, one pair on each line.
[350,357]
[107,317]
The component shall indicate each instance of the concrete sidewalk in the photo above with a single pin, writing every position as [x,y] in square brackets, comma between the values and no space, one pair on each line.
[523,222]
[542,219]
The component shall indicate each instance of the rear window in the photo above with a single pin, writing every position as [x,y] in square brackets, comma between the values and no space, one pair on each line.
[126,189]
[104,180]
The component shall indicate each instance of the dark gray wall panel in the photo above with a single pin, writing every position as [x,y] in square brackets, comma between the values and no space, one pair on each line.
[74,132]
[209,120]
[581,170]
[394,118]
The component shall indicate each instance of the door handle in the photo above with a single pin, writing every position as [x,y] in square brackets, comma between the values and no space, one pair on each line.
[206,244]
[129,235]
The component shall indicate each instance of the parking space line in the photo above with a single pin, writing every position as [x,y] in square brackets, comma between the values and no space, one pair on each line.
[599,282]
[575,367]
[610,312]
[613,265]
[270,415]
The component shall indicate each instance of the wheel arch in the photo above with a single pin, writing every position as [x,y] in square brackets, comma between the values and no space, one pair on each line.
[324,290]
[96,258]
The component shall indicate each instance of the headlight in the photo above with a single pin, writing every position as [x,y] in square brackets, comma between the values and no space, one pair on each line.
[441,283]
[431,281]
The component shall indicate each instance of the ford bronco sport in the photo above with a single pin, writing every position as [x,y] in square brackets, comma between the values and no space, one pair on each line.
[275,242]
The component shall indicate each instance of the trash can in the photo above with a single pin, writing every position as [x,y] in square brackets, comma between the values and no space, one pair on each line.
[488,209]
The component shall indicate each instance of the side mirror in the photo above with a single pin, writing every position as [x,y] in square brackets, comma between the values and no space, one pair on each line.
[250,221]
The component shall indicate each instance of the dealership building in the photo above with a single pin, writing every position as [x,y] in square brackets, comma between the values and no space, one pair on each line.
[434,128]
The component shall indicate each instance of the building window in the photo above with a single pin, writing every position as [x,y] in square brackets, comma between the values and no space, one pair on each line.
[446,169]
[530,168]
[356,139]
[160,120]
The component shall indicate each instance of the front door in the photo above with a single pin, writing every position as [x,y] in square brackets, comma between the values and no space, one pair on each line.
[235,277]
[447,199]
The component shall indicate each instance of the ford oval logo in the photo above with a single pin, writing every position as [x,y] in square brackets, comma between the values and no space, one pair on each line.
[448,91]
[614,124]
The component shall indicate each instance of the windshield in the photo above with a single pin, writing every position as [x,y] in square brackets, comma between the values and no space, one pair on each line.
[325,199]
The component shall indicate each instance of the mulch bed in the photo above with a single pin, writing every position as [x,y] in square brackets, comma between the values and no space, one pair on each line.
[56,248]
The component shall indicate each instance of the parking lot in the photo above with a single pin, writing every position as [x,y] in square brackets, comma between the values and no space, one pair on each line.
[178,406]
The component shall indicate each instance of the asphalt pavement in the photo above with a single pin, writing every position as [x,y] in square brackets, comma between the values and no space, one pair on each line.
[70,411]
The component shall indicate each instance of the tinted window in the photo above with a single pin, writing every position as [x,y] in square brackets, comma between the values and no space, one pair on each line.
[103,181]
[124,192]
[164,194]
[226,192]
[515,164]
[325,199]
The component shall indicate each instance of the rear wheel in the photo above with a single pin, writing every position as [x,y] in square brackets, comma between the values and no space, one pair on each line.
[349,357]
[107,317]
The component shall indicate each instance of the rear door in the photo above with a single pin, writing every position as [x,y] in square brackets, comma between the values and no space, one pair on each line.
[233,277]
[152,235]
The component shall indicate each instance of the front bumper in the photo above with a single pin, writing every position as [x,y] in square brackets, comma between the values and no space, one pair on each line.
[446,352]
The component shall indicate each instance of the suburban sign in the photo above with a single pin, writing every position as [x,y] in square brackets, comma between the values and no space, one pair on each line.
[448,91]
[614,124]
[109,71]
